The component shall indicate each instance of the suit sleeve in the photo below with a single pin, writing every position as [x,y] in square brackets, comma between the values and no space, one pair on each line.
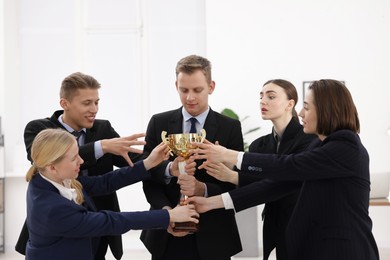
[339,156]
[298,144]
[77,222]
[262,191]
[114,180]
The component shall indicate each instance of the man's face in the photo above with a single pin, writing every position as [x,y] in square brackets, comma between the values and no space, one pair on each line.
[80,112]
[194,91]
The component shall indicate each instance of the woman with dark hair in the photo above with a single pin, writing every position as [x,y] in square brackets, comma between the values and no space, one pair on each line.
[278,98]
[330,219]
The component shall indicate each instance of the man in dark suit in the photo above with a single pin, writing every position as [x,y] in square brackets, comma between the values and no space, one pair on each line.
[101,147]
[217,237]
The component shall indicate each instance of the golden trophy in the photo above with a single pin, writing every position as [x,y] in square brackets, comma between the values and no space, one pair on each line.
[180,144]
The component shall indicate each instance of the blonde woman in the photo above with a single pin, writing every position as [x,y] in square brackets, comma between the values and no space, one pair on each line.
[61,217]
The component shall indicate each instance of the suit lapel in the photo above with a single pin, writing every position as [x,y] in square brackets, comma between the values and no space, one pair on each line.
[211,126]
[288,136]
[89,136]
[175,123]
[54,118]
[268,145]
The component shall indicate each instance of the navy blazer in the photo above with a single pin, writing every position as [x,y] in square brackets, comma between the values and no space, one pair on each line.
[214,225]
[330,219]
[276,214]
[100,130]
[61,229]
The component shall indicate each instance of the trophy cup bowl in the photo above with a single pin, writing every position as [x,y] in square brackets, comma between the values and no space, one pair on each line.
[180,144]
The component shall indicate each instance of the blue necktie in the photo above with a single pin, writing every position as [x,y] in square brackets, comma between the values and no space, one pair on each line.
[77,134]
[193,127]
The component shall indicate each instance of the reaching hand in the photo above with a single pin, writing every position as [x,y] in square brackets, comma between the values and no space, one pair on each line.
[190,186]
[205,204]
[214,153]
[172,225]
[184,213]
[123,145]
[190,166]
[221,172]
[158,154]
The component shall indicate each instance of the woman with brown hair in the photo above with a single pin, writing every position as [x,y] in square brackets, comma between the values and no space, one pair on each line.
[330,219]
[278,98]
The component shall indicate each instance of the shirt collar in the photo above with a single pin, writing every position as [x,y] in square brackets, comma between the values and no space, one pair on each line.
[201,117]
[67,127]
[66,191]
[277,137]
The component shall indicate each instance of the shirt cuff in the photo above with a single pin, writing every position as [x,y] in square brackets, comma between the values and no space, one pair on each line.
[227,200]
[167,174]
[206,194]
[98,149]
[240,157]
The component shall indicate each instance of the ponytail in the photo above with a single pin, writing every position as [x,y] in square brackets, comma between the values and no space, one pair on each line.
[31,172]
[75,184]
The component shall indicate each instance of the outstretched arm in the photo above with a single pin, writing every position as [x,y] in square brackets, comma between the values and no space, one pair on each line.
[206,204]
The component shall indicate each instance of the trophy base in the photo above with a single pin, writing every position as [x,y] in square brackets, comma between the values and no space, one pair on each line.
[190,227]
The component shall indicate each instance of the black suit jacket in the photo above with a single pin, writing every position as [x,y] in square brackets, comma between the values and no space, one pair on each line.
[276,214]
[218,225]
[330,219]
[101,129]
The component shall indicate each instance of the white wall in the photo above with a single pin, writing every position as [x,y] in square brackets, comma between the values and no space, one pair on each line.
[251,41]
[132,47]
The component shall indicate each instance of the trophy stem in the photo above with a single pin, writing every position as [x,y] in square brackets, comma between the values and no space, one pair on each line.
[190,227]
[182,171]
[182,168]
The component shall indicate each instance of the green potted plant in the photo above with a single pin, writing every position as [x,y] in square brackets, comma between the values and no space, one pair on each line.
[230,113]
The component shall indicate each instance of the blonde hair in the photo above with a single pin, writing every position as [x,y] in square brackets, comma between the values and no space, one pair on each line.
[49,147]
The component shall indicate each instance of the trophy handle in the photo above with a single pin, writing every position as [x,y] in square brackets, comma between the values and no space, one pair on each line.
[164,137]
[203,135]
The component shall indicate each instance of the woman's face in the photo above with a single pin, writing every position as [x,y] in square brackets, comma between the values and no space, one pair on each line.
[274,102]
[68,167]
[309,114]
